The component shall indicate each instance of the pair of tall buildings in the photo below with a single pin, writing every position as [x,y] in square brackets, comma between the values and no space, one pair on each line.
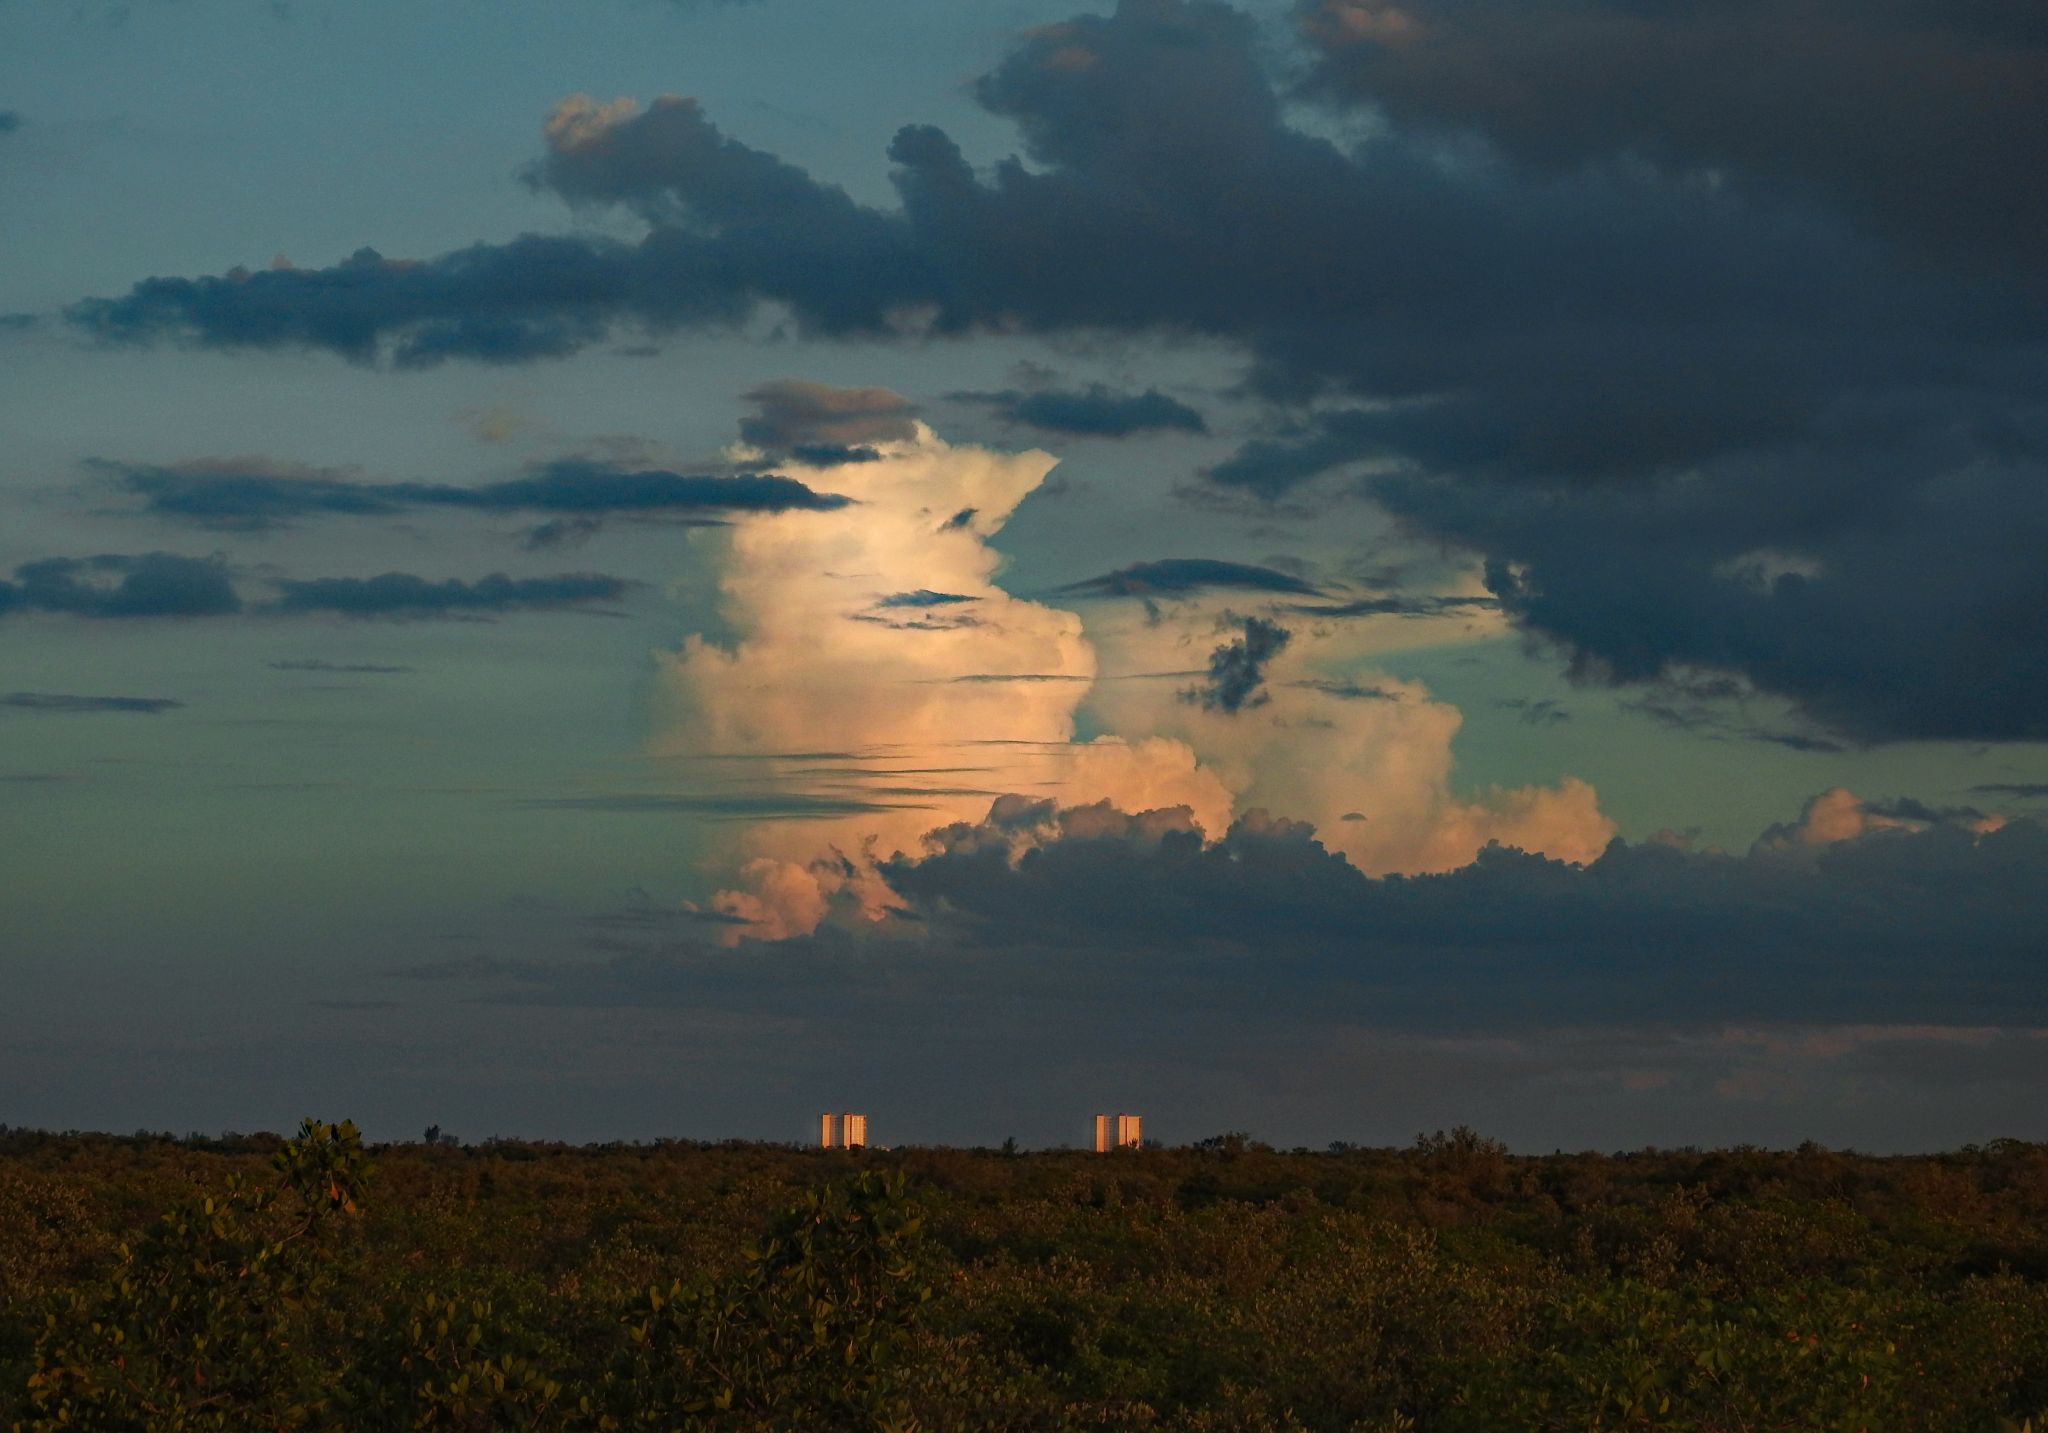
[850,1131]
[1118,1132]
[843,1131]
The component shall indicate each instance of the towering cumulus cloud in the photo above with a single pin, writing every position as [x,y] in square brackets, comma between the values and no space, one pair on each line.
[874,660]
[876,655]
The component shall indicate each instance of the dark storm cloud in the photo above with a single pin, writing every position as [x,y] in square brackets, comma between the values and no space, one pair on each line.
[403,594]
[1724,362]
[1537,432]
[1921,121]
[153,584]
[2025,790]
[1934,925]
[247,495]
[10,121]
[1184,576]
[1272,467]
[1237,668]
[1920,117]
[1170,195]
[1091,412]
[67,705]
[1903,609]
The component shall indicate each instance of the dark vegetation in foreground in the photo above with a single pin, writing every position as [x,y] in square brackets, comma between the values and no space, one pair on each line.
[259,1283]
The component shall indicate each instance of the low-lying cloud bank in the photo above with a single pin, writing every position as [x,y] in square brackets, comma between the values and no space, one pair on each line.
[1853,977]
[1846,914]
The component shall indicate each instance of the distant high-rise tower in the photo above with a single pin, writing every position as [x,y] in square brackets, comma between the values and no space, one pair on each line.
[842,1131]
[1118,1132]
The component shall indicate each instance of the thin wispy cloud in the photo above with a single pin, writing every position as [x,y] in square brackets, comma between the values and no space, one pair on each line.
[67,704]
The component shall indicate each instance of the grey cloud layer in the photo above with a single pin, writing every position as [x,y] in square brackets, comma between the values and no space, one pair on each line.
[240,495]
[1092,412]
[1698,365]
[164,585]
[153,584]
[402,594]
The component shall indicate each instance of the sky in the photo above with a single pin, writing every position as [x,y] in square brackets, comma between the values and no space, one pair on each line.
[1331,569]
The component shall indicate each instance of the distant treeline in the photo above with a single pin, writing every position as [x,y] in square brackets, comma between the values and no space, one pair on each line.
[158,1285]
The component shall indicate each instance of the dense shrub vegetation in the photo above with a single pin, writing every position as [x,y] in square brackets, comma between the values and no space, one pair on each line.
[156,1284]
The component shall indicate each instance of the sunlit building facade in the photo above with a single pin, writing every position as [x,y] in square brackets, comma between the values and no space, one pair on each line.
[1118,1132]
[842,1131]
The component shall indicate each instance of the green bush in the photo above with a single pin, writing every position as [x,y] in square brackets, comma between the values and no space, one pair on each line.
[1446,1288]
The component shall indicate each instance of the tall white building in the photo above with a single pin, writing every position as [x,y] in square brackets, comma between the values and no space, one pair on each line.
[842,1131]
[1118,1132]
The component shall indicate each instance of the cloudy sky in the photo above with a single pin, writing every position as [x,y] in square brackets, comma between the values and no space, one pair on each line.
[1331,568]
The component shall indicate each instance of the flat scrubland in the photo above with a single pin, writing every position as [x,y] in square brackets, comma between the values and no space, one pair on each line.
[264,1282]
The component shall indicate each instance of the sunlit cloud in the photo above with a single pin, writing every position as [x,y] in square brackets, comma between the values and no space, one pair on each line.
[880,629]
